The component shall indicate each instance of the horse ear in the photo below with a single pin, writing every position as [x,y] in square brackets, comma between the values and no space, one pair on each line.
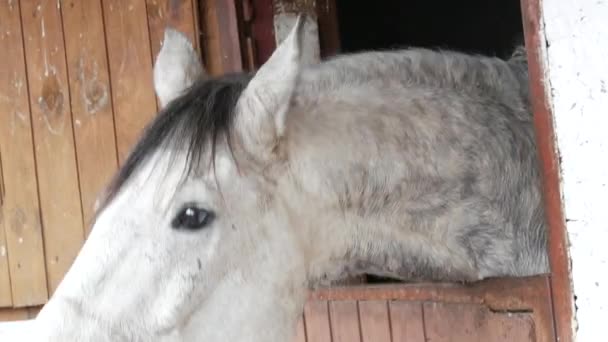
[264,103]
[176,68]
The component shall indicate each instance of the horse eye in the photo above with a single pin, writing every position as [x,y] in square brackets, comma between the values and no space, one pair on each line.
[192,218]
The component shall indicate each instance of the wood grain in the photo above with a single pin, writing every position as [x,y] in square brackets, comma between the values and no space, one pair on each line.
[91,100]
[20,213]
[53,137]
[130,61]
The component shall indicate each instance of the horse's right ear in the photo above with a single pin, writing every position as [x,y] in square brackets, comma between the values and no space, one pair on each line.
[176,68]
[263,105]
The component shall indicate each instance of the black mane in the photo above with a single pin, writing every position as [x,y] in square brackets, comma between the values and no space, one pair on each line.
[201,115]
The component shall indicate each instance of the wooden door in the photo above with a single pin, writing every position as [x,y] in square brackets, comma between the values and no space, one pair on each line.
[498,310]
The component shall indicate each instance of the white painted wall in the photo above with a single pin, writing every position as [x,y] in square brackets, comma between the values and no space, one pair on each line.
[576,56]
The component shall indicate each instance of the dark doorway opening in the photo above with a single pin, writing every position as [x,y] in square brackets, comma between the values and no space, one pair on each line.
[477,26]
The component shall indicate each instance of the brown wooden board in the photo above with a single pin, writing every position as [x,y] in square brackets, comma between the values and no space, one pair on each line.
[407,323]
[5,278]
[130,61]
[316,317]
[344,320]
[329,33]
[53,137]
[13,314]
[91,100]
[220,37]
[562,295]
[375,322]
[19,213]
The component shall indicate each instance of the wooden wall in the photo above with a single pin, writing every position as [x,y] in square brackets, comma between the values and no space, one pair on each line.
[75,91]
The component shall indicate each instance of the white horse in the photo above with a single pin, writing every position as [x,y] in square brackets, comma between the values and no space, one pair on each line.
[248,190]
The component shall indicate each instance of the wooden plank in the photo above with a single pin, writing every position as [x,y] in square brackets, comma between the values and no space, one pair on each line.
[474,323]
[316,316]
[375,322]
[300,335]
[5,279]
[15,314]
[562,293]
[53,137]
[130,61]
[91,100]
[6,299]
[212,51]
[344,320]
[7,315]
[178,14]
[19,214]
[262,30]
[222,52]
[329,30]
[406,321]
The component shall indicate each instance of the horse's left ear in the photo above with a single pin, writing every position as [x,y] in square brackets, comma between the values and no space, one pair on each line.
[263,105]
[176,68]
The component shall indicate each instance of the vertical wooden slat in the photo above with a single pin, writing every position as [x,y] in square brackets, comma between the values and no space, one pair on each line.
[53,137]
[91,99]
[5,280]
[406,321]
[130,61]
[300,335]
[317,321]
[375,324]
[210,38]
[262,30]
[178,14]
[344,321]
[222,51]
[329,30]
[19,214]
[561,285]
